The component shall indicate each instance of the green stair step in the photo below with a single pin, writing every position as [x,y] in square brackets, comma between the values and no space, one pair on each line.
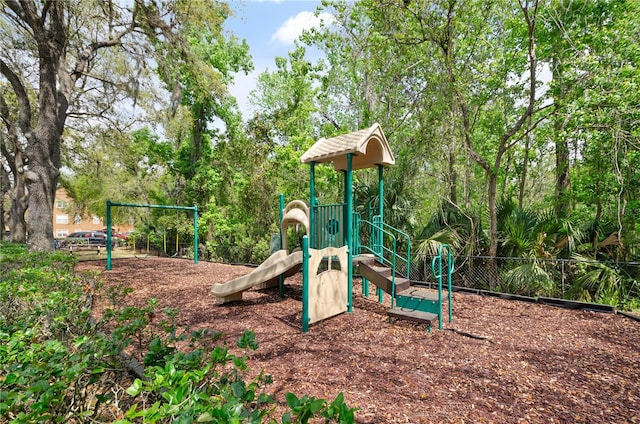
[419,299]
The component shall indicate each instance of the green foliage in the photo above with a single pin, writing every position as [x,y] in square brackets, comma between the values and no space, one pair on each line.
[306,407]
[49,342]
[528,279]
[58,365]
[451,226]
[598,282]
[194,387]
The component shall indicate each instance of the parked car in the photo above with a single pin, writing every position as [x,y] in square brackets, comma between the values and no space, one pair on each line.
[117,239]
[87,237]
[116,234]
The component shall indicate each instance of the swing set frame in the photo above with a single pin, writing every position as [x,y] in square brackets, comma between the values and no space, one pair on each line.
[111,204]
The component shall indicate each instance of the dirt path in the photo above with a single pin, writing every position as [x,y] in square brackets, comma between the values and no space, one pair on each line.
[531,363]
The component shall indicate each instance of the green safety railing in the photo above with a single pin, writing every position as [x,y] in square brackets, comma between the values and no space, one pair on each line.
[328,226]
[436,269]
[383,243]
[372,240]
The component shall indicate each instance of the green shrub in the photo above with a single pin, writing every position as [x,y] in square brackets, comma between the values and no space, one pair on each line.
[53,361]
[58,365]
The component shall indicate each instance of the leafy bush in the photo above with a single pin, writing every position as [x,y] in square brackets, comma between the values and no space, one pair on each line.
[55,364]
[529,278]
[58,365]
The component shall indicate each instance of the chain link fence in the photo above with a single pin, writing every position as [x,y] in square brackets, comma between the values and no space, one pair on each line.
[613,283]
[569,279]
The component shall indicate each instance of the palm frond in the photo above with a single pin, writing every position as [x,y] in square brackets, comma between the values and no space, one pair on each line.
[429,246]
[599,278]
[528,279]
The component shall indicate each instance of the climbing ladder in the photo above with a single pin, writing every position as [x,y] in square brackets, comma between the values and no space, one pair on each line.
[409,300]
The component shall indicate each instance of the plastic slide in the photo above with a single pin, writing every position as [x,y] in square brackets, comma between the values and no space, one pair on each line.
[277,264]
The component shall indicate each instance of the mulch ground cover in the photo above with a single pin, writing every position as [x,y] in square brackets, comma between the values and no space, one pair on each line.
[500,361]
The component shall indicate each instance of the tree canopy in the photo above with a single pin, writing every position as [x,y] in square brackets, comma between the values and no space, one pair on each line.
[514,123]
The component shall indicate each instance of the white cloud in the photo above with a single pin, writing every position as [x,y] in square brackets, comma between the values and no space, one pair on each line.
[244,84]
[241,89]
[293,27]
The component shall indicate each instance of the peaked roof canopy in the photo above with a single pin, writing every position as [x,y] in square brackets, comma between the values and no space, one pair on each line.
[369,147]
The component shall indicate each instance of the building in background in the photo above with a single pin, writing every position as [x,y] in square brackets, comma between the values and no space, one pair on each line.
[67,218]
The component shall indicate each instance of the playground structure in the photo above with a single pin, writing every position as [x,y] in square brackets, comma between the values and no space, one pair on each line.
[337,236]
[111,204]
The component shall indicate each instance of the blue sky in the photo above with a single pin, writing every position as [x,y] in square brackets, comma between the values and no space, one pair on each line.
[270,28]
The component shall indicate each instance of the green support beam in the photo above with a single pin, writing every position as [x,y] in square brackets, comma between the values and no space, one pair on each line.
[312,197]
[281,279]
[347,230]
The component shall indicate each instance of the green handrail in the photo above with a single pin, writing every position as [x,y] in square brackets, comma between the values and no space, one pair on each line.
[376,242]
[378,248]
[437,260]
[388,227]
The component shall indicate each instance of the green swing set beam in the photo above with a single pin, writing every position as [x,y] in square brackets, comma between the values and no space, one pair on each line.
[141,205]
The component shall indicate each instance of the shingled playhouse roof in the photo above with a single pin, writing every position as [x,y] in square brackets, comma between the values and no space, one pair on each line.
[369,147]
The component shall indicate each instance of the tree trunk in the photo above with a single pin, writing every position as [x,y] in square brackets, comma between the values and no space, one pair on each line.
[562,145]
[595,237]
[4,188]
[17,211]
[562,177]
[453,176]
[525,168]
[42,177]
[42,181]
[492,265]
[467,180]
[197,140]
[11,150]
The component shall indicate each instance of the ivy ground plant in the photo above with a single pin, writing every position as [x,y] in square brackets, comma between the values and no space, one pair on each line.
[57,364]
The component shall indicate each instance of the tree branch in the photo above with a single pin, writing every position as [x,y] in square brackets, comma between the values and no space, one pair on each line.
[11,136]
[27,12]
[24,106]
[332,121]
[89,52]
[531,127]
[45,10]
[533,62]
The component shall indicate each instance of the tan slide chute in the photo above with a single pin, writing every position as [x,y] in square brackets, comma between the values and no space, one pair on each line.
[279,263]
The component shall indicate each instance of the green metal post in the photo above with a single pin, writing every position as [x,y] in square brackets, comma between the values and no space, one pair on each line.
[356,225]
[312,197]
[345,212]
[440,288]
[380,205]
[281,279]
[195,234]
[305,284]
[108,235]
[139,205]
[348,187]
[281,216]
[381,192]
[450,266]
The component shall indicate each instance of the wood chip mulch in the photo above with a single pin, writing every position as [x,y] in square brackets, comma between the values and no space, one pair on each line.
[500,361]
